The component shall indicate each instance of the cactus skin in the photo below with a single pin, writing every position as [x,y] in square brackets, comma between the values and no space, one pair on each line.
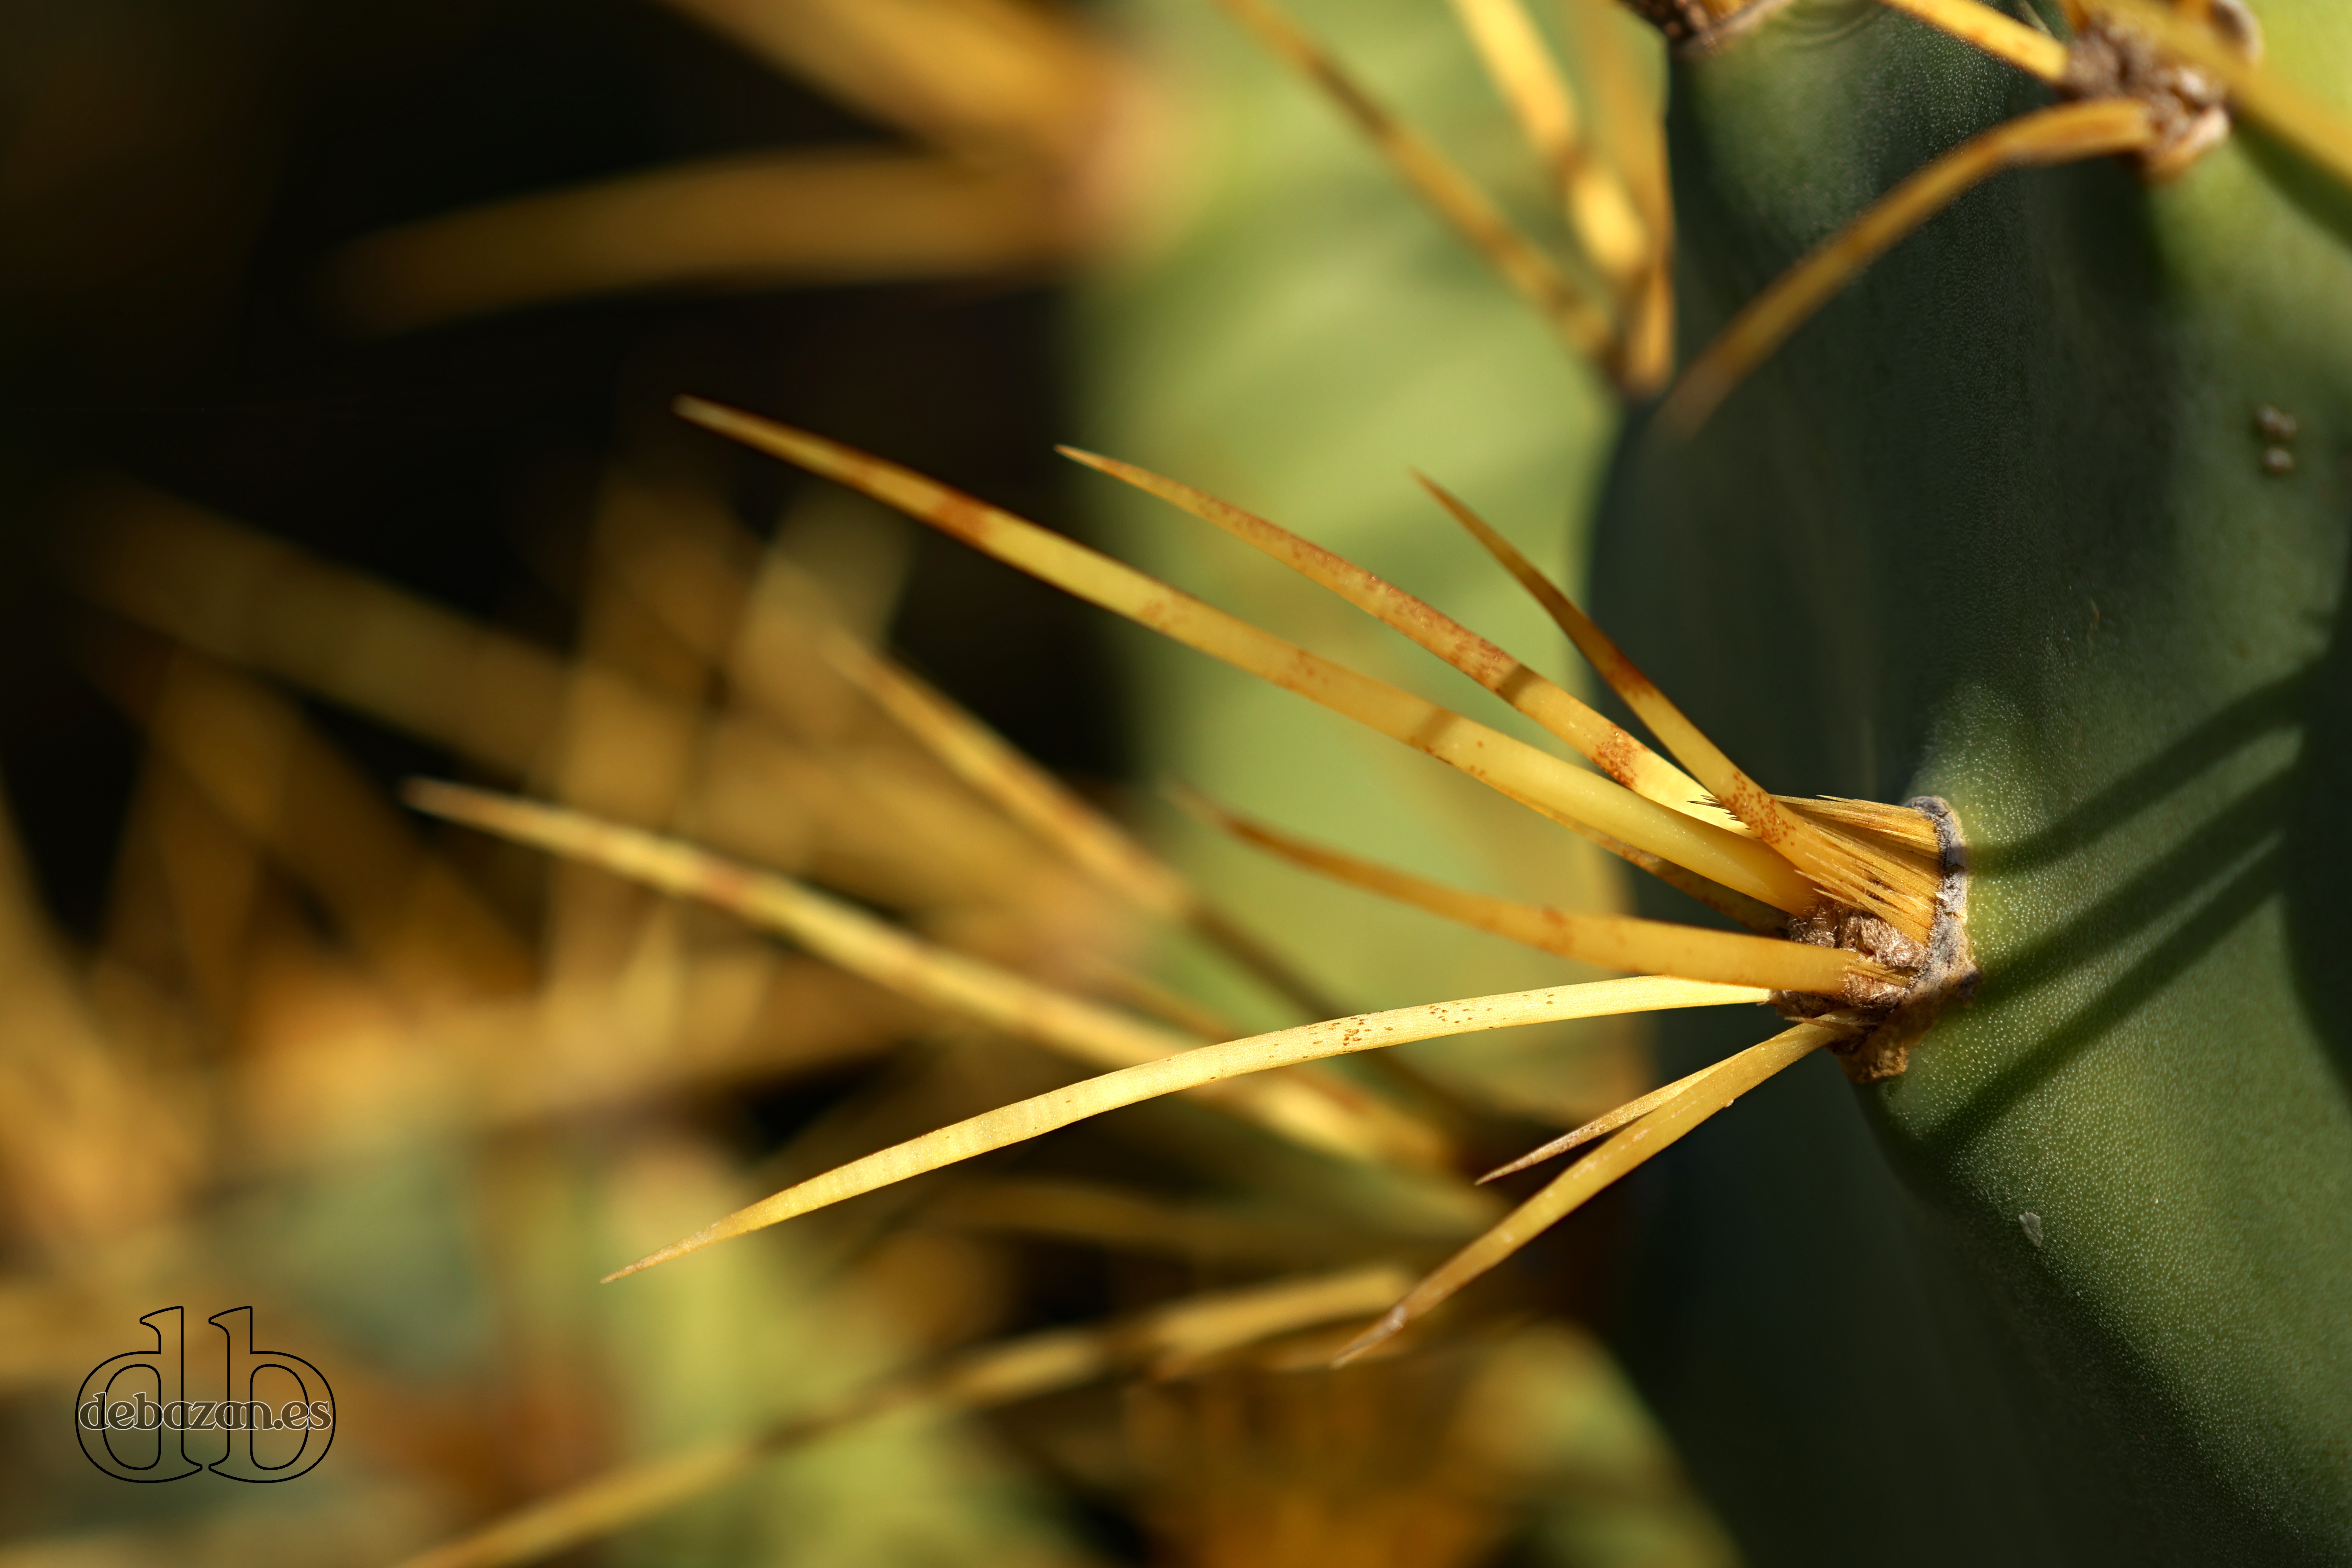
[1997,527]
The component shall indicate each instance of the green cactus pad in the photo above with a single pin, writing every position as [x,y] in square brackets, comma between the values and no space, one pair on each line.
[2009,523]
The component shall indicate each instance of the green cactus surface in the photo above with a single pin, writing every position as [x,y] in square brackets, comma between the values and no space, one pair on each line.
[2016,522]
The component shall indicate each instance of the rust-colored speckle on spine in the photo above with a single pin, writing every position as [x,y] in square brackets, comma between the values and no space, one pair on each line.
[1761,811]
[729,887]
[960,514]
[1618,755]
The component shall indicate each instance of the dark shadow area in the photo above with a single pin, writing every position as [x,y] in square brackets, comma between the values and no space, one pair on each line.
[2160,967]
[2260,712]
[2317,858]
[2318,194]
[2166,885]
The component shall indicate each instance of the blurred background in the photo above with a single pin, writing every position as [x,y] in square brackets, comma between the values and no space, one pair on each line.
[336,344]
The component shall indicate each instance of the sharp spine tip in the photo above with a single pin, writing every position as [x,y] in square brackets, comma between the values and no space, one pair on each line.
[1371,1338]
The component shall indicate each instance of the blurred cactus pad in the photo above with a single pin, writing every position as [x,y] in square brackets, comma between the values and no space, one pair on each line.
[2046,515]
[1293,333]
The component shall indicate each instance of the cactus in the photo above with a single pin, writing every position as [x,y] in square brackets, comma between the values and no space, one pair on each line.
[2045,517]
[1956,537]
[1973,514]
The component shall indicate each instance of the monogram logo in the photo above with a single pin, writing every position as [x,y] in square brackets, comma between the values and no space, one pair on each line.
[274,1421]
